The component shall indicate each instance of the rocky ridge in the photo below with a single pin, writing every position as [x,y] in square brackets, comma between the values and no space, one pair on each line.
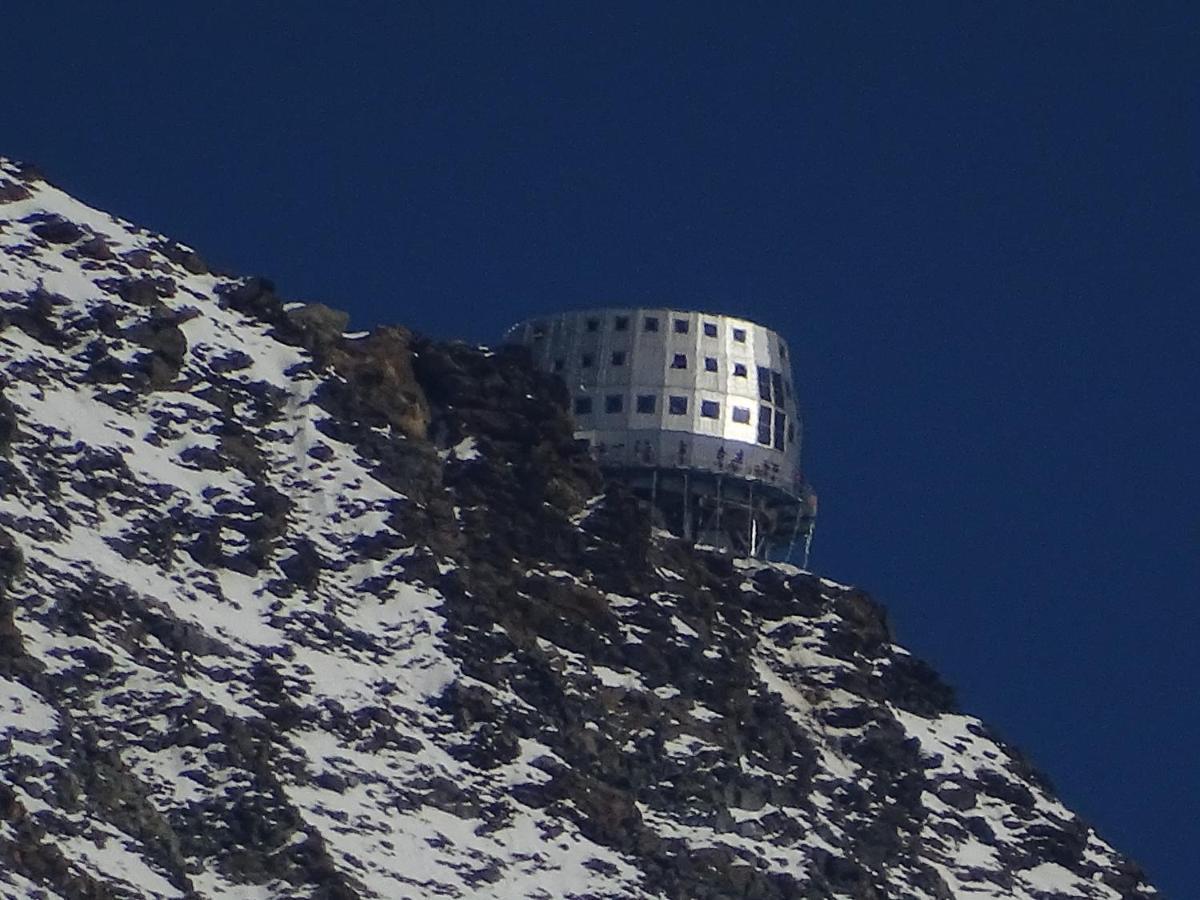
[286,612]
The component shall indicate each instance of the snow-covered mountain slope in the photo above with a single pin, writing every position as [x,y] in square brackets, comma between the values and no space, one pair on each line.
[290,613]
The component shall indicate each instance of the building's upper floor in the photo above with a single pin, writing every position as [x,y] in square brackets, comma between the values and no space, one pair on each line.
[636,374]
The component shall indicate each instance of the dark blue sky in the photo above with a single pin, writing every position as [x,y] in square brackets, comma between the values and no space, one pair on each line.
[976,227]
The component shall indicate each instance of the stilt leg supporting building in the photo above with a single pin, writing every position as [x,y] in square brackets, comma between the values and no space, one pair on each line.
[730,515]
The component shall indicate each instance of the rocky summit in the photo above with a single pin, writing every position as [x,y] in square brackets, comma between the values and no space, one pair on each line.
[291,612]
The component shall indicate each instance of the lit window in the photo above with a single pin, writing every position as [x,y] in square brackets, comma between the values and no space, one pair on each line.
[618,358]
[764,425]
[710,364]
[613,403]
[681,326]
[621,323]
[650,323]
[680,361]
[558,365]
[587,360]
[593,324]
[677,406]
[739,335]
[583,406]
[645,403]
[710,329]
[739,370]
[710,409]
[741,415]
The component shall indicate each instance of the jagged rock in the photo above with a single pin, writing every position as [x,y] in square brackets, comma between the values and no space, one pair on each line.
[960,796]
[319,327]
[231,362]
[254,296]
[34,314]
[95,247]
[380,386]
[12,566]
[162,335]
[303,567]
[56,229]
[12,191]
[167,346]
[142,291]
[183,256]
[8,422]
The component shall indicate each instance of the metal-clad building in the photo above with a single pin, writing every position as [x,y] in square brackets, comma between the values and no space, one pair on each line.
[691,402]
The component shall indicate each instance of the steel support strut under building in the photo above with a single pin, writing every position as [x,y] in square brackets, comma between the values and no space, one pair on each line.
[695,412]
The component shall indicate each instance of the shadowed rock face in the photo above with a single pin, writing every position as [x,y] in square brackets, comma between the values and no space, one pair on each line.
[292,613]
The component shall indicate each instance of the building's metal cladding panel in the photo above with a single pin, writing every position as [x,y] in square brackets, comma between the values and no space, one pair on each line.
[669,388]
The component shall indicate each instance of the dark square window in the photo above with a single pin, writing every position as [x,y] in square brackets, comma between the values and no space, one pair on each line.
[710,409]
[650,323]
[593,324]
[677,406]
[558,365]
[791,433]
[680,361]
[777,383]
[741,414]
[739,370]
[618,358]
[645,403]
[681,326]
[587,360]
[614,403]
[739,335]
[583,406]
[710,329]
[710,364]
[621,323]
[780,429]
[764,425]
